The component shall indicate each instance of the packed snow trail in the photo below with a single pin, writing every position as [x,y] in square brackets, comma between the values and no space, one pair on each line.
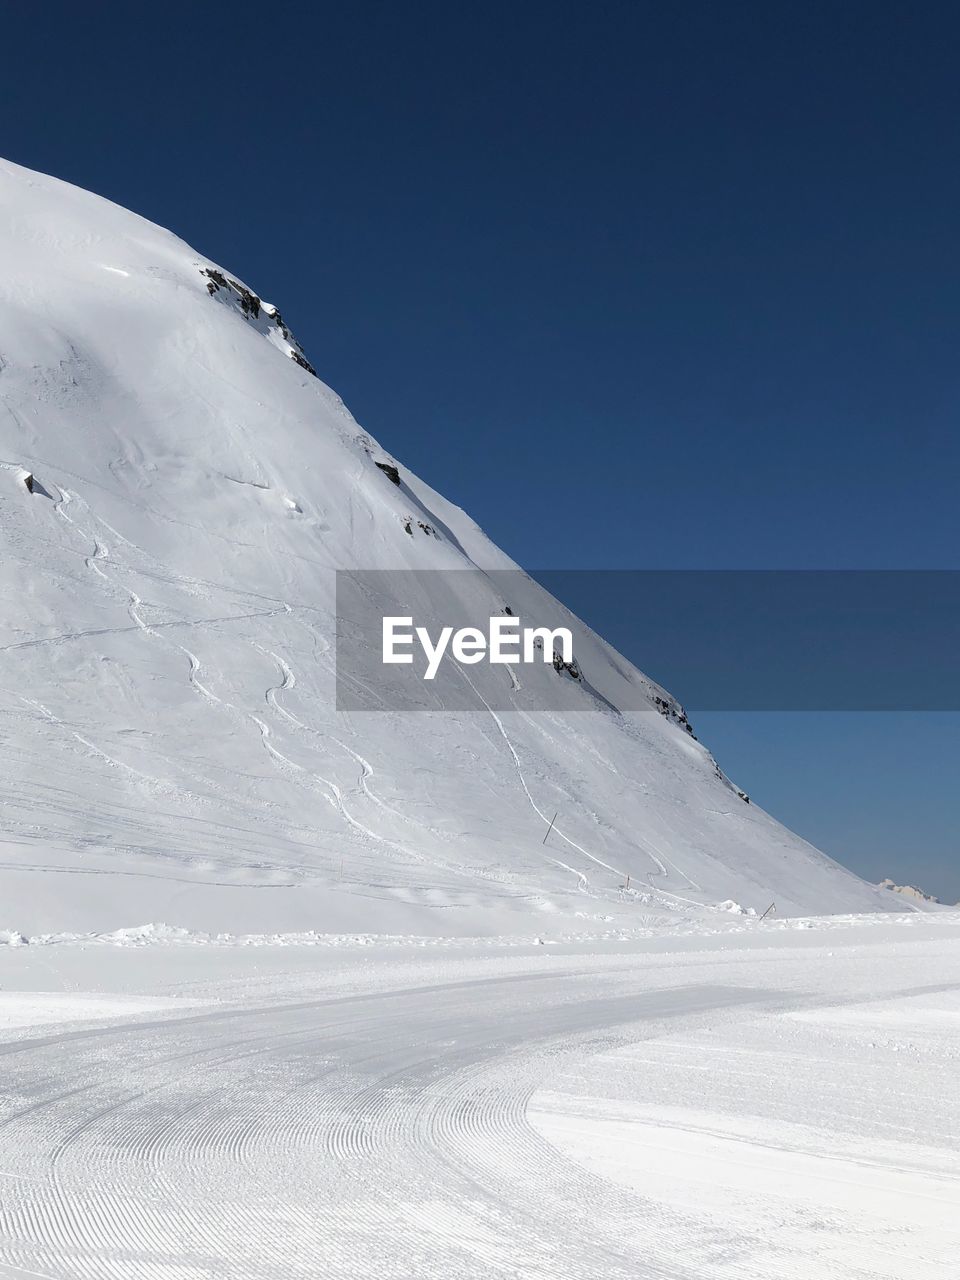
[776,1103]
[372,1136]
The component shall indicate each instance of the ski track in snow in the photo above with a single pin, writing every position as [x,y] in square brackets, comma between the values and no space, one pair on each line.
[641,840]
[300,774]
[583,882]
[398,846]
[311,777]
[581,878]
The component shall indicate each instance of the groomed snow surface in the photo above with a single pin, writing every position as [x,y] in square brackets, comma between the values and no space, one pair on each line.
[769,1102]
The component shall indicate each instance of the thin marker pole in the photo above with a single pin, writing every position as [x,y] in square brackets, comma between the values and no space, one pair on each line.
[550,828]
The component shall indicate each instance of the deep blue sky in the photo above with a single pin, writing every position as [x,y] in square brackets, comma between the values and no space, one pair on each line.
[639,285]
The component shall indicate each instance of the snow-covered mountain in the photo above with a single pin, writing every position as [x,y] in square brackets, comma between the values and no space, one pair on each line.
[177,488]
[909,891]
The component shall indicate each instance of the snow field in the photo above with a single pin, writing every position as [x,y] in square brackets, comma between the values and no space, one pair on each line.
[682,1106]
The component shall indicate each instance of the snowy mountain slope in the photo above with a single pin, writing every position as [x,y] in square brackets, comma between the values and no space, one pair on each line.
[169,744]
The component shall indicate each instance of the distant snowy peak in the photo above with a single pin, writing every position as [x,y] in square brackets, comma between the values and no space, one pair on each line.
[908,891]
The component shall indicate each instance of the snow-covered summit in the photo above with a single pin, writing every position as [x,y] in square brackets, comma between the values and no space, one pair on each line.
[909,891]
[177,487]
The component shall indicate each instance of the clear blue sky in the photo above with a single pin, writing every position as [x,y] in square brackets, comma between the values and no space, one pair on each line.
[639,285]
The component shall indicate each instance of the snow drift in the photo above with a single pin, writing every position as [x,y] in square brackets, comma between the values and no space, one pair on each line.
[170,744]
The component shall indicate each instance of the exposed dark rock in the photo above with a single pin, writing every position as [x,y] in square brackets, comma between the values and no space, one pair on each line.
[673,711]
[571,668]
[251,306]
[216,280]
[303,362]
[390,471]
[408,523]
